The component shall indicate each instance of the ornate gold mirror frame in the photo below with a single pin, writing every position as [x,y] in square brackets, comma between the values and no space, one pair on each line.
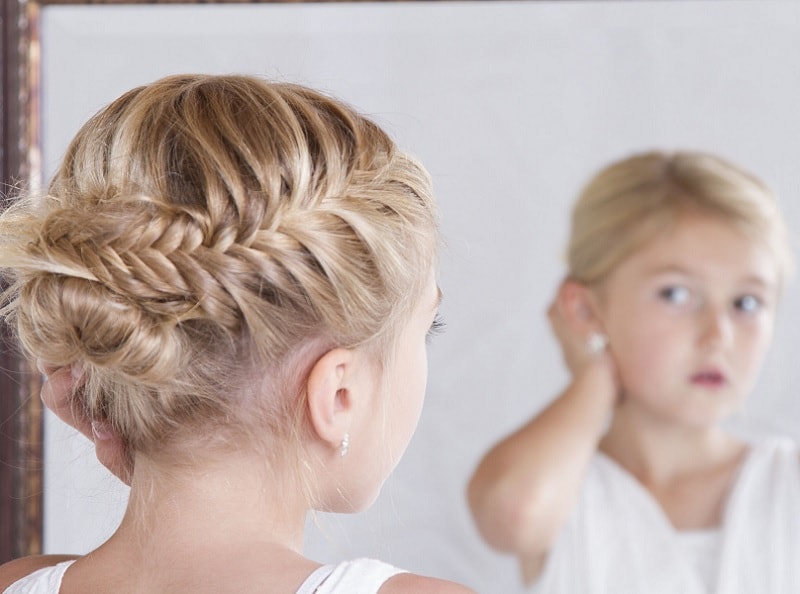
[21,460]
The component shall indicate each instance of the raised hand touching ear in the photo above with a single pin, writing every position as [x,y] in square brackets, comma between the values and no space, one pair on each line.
[577,327]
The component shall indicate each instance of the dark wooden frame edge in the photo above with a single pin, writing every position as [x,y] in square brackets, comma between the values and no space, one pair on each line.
[21,467]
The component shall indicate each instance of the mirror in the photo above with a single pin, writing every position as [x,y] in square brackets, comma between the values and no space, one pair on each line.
[511,106]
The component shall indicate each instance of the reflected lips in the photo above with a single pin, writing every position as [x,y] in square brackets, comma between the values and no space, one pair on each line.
[709,379]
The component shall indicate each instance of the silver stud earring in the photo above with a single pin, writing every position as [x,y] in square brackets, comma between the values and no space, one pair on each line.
[345,445]
[596,343]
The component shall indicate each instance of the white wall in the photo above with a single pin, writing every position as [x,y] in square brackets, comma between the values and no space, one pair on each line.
[511,105]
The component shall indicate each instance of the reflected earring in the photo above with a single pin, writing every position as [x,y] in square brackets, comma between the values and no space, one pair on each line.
[596,343]
[345,445]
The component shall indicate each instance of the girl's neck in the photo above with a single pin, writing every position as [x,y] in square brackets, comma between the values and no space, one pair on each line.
[658,451]
[226,501]
[222,525]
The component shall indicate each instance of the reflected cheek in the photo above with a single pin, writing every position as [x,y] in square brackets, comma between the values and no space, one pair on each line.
[752,356]
[640,361]
[636,371]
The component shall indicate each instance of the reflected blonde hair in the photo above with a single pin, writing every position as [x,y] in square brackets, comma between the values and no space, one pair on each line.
[631,201]
[202,230]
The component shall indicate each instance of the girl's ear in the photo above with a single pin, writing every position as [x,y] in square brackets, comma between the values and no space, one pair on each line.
[330,390]
[579,307]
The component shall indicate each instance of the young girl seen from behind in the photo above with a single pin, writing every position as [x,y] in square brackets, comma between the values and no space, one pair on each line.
[229,285]
[627,482]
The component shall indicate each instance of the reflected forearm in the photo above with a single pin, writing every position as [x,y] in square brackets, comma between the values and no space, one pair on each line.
[525,487]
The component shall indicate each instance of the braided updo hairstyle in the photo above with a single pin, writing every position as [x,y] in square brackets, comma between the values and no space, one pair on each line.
[201,225]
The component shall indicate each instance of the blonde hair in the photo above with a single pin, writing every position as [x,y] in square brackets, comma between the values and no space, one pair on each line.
[202,227]
[630,201]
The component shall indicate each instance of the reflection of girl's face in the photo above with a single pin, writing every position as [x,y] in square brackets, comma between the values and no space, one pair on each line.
[689,318]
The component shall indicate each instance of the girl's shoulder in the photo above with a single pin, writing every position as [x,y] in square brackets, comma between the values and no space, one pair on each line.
[401,582]
[410,582]
[774,448]
[15,570]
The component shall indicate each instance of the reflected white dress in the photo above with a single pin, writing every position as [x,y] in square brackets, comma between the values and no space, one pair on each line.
[619,541]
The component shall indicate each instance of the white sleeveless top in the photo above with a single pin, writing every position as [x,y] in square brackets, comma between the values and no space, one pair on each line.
[702,549]
[360,576]
[46,580]
[619,540]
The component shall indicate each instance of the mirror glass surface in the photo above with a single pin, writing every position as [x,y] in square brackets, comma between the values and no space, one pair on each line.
[511,106]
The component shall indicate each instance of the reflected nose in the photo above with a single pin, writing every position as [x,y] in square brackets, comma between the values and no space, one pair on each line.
[716,328]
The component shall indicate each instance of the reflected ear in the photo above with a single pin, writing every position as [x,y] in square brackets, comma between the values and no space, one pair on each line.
[330,395]
[579,307]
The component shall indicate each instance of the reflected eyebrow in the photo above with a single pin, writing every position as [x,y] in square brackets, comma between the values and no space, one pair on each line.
[760,281]
[750,279]
[669,269]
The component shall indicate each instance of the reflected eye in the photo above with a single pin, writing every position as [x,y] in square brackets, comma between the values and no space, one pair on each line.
[437,327]
[748,304]
[677,295]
